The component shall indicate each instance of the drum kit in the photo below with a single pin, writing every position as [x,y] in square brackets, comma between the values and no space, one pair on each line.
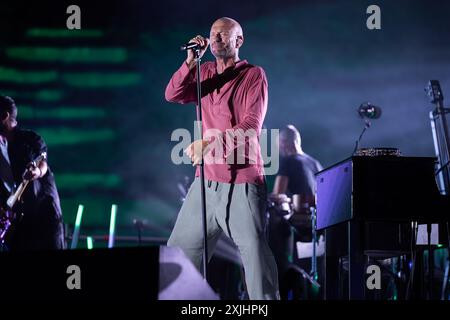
[284,212]
[299,218]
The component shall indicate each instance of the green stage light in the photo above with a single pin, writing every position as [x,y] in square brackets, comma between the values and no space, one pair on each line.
[49,95]
[98,80]
[90,243]
[27,77]
[112,226]
[68,55]
[40,95]
[63,33]
[63,113]
[68,136]
[76,231]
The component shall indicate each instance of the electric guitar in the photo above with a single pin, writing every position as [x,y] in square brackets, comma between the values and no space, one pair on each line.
[8,214]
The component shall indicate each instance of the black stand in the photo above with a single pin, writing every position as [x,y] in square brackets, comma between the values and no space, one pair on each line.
[430,263]
[313,272]
[441,137]
[355,261]
[139,226]
[202,169]
[366,126]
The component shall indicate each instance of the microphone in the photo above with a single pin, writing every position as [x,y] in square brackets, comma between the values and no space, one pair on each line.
[366,111]
[369,111]
[190,45]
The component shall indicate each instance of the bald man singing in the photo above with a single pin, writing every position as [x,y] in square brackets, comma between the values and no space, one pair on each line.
[234,104]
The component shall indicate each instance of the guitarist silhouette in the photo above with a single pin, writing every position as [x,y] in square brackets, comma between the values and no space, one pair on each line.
[28,188]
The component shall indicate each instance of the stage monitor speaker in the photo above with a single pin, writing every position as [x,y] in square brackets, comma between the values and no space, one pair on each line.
[138,273]
[179,279]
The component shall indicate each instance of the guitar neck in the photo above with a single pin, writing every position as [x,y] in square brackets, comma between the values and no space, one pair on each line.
[12,200]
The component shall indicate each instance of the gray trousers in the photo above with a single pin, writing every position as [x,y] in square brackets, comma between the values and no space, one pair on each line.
[239,211]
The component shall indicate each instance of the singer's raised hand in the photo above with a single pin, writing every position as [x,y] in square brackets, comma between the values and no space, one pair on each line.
[203,42]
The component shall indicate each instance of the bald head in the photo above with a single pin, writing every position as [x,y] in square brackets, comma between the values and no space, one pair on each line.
[226,38]
[229,23]
[290,140]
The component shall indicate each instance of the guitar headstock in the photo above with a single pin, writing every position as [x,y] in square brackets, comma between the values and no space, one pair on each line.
[434,91]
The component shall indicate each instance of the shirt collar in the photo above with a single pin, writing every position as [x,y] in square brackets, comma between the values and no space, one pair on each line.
[240,63]
[237,65]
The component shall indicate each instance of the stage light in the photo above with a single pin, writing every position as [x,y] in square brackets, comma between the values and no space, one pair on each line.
[68,136]
[62,113]
[63,33]
[68,55]
[101,79]
[27,77]
[112,226]
[90,243]
[76,231]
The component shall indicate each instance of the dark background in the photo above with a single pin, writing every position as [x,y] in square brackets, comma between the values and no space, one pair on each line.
[97,95]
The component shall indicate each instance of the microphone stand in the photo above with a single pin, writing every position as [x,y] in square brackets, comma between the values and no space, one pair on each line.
[202,171]
[441,138]
[366,126]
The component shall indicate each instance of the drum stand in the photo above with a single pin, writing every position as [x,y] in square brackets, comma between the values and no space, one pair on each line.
[313,272]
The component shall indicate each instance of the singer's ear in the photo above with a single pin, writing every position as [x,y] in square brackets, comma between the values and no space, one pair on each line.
[239,41]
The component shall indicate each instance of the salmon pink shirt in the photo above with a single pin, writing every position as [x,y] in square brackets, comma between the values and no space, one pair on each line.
[234,104]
